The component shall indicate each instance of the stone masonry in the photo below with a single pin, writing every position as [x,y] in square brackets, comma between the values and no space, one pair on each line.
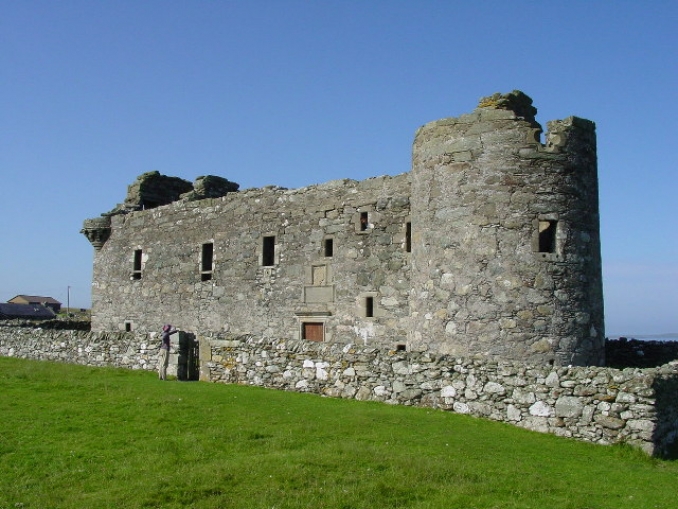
[595,404]
[506,250]
[489,246]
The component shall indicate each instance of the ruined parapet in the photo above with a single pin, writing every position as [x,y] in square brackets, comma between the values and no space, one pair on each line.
[506,244]
[97,230]
[151,190]
[210,186]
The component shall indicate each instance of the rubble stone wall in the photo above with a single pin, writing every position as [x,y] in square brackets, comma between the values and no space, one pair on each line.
[595,404]
[98,349]
[506,250]
[324,264]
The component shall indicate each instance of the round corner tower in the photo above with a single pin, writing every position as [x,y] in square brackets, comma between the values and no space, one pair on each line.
[506,244]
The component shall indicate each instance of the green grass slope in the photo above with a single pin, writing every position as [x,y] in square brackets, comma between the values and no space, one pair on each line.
[78,437]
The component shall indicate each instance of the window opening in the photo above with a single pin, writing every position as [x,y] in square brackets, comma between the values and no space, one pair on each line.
[268,257]
[312,331]
[408,237]
[136,268]
[401,348]
[128,327]
[207,261]
[369,307]
[329,248]
[547,236]
[363,221]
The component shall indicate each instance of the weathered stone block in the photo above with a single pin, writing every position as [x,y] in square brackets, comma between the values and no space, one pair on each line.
[568,406]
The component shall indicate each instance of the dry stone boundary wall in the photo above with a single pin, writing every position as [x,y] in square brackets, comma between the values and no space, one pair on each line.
[99,349]
[595,404]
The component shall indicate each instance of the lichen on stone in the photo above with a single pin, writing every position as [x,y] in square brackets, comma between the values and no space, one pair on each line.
[516,101]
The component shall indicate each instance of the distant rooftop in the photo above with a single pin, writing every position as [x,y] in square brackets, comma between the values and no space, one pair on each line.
[34,311]
[19,299]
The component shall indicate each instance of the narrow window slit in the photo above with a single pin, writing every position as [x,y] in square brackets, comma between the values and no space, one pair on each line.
[268,257]
[136,267]
[369,307]
[547,236]
[364,221]
[408,237]
[207,261]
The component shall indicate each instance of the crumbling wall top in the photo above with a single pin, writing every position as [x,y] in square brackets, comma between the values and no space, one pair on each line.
[515,101]
[152,189]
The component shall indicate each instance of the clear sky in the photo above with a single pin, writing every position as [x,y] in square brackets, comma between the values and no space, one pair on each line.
[293,93]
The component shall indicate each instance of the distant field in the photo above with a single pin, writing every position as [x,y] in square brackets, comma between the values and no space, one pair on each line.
[76,313]
[77,437]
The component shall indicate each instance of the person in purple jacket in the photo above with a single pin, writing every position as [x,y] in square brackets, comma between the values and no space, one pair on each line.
[163,357]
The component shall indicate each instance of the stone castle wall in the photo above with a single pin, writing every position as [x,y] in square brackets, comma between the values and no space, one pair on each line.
[506,250]
[324,264]
[595,404]
[489,246]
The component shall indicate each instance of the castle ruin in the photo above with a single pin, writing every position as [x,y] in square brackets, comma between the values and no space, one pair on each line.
[489,246]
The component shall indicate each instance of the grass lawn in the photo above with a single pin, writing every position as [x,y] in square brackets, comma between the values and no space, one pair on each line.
[78,437]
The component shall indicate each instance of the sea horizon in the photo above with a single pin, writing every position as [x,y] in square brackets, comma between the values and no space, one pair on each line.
[666,336]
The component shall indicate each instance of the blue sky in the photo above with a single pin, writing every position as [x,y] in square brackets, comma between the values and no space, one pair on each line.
[292,93]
